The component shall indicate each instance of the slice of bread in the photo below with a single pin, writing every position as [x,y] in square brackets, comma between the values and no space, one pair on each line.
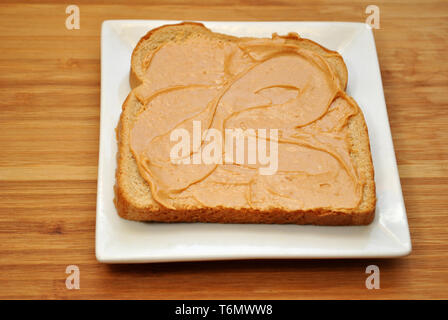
[133,196]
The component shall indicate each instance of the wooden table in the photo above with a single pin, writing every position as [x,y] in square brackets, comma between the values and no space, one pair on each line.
[49,129]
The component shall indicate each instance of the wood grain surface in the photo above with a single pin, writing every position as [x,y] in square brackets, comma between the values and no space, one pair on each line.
[49,132]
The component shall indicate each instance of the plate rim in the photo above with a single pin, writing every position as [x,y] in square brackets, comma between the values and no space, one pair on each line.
[102,255]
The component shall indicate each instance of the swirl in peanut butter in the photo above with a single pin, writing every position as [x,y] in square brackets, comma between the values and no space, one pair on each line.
[259,84]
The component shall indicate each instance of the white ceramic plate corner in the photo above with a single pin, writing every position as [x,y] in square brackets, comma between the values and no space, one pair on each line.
[122,241]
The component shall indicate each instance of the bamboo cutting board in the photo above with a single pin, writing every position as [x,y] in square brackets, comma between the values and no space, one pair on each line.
[49,121]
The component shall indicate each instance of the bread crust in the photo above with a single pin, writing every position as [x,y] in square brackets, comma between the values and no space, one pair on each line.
[133,198]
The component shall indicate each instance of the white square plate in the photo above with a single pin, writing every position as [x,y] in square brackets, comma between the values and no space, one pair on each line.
[122,241]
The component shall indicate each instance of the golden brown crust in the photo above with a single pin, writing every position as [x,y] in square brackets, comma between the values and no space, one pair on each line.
[132,193]
[134,80]
[127,211]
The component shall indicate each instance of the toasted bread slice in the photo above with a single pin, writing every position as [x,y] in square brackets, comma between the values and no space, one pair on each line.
[133,197]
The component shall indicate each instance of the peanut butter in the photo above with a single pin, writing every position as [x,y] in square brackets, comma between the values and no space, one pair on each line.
[258,84]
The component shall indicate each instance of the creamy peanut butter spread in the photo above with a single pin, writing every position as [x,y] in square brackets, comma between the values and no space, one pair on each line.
[259,84]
